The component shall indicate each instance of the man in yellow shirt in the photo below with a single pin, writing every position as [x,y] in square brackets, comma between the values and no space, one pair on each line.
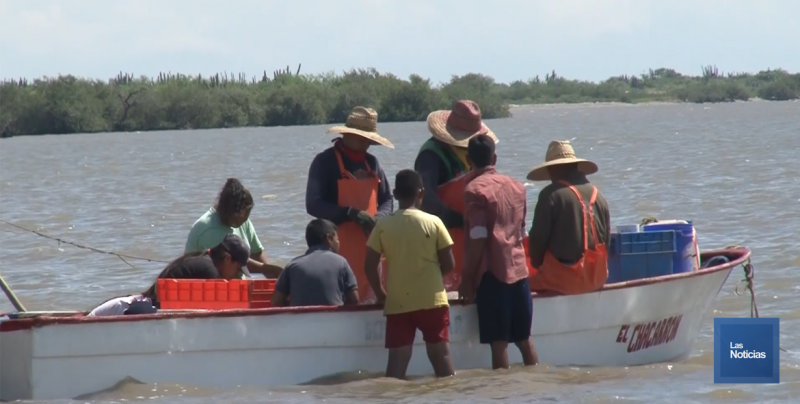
[418,251]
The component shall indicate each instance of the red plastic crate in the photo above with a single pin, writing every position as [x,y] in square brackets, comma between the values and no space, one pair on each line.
[215,294]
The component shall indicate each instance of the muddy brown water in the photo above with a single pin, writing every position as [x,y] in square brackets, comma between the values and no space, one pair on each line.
[731,168]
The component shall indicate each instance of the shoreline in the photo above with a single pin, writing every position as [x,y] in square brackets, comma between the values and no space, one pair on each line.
[69,105]
[622,104]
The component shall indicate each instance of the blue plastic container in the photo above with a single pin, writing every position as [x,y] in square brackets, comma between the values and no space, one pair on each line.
[640,255]
[686,258]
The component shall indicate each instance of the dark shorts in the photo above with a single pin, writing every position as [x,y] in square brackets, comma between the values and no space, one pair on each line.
[402,328]
[505,312]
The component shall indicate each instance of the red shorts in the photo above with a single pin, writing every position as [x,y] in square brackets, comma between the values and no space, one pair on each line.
[402,328]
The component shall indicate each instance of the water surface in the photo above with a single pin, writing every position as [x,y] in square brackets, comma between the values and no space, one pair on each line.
[730,168]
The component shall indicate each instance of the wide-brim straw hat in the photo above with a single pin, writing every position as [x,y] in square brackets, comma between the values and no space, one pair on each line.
[363,122]
[560,152]
[457,126]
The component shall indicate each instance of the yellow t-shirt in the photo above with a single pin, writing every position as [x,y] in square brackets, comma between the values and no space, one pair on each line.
[411,239]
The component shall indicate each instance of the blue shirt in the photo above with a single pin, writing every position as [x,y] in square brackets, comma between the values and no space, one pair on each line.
[320,277]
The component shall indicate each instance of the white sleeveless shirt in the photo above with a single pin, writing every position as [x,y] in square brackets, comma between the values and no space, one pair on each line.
[117,306]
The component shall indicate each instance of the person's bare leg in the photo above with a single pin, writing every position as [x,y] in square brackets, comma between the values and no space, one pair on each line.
[499,355]
[528,351]
[397,365]
[439,355]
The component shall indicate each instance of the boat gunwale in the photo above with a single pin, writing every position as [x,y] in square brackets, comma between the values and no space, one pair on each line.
[11,325]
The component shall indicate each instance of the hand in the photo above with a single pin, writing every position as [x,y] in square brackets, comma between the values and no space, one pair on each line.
[363,219]
[270,271]
[380,296]
[466,291]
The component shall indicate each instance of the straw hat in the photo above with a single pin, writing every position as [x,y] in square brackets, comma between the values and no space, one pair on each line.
[457,126]
[363,122]
[560,152]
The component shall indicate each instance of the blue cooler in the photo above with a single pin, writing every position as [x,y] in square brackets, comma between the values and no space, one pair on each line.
[687,254]
[634,256]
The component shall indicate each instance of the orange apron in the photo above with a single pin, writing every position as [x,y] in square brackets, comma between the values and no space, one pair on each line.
[452,195]
[588,274]
[361,194]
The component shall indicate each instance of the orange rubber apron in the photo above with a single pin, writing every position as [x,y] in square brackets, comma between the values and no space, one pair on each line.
[588,274]
[452,195]
[361,194]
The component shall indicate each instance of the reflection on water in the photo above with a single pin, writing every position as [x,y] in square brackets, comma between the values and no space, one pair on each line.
[730,168]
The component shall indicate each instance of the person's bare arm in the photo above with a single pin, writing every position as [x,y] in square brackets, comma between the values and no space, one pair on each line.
[446,260]
[524,217]
[444,248]
[475,248]
[258,263]
[260,257]
[278,299]
[351,297]
[371,262]
[349,283]
[281,290]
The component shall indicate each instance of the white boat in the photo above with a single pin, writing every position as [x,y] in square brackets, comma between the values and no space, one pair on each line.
[67,356]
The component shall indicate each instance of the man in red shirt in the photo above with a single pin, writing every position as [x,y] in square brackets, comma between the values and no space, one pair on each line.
[496,272]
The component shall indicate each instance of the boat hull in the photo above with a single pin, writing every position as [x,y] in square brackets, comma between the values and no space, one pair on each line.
[635,323]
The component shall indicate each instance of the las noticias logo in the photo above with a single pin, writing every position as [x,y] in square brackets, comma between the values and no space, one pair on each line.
[746,350]
[745,354]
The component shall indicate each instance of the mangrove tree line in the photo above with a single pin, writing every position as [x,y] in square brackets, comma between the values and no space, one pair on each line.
[68,104]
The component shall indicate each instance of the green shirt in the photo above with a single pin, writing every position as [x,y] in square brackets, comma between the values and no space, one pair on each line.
[208,231]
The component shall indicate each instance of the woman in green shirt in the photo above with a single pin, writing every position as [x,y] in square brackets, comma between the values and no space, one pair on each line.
[231,215]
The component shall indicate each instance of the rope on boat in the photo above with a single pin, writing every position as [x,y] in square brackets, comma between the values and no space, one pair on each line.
[122,257]
[748,284]
[749,275]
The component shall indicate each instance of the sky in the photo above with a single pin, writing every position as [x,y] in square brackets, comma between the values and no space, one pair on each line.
[506,39]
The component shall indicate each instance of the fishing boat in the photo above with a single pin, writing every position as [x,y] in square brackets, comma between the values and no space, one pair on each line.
[62,356]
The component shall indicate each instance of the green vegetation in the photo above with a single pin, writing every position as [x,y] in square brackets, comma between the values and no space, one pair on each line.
[67,104]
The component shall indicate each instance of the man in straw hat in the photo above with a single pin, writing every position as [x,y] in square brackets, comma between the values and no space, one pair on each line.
[571,225]
[348,187]
[442,162]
